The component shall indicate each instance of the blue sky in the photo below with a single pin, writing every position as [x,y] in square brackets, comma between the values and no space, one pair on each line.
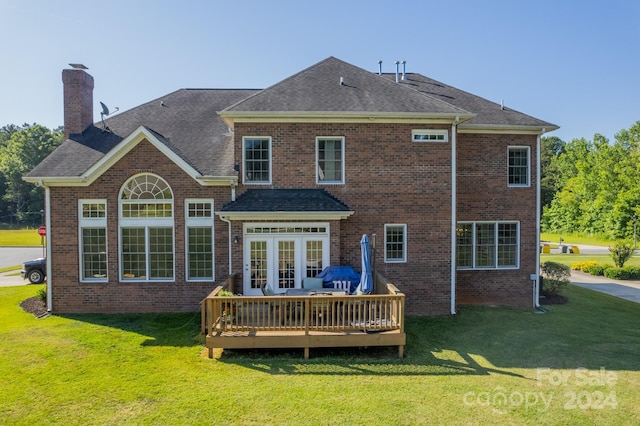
[575,64]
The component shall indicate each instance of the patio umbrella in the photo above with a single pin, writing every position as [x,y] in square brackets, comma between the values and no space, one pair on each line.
[366,279]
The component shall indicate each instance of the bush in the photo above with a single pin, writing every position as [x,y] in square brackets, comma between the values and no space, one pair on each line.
[616,273]
[620,253]
[633,272]
[597,270]
[583,266]
[556,277]
[42,295]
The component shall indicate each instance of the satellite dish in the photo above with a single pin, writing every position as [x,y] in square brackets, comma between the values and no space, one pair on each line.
[105,110]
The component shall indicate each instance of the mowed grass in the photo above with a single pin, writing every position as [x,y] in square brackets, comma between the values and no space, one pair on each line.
[576,364]
[20,238]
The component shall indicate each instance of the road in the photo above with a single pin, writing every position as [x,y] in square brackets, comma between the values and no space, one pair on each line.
[12,256]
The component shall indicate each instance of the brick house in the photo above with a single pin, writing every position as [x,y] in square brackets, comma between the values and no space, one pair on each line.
[150,208]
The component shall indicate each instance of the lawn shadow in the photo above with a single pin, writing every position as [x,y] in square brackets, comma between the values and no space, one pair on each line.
[177,330]
[592,331]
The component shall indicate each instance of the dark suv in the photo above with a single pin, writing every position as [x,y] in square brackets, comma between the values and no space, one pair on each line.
[35,270]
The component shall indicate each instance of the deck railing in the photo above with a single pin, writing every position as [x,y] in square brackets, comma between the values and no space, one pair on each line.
[340,315]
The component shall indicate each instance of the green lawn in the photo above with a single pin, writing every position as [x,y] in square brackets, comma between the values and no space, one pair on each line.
[20,238]
[483,366]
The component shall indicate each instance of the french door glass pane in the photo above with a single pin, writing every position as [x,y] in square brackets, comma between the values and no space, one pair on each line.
[258,263]
[286,264]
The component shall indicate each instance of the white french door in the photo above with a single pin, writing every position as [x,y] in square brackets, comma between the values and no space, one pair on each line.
[283,255]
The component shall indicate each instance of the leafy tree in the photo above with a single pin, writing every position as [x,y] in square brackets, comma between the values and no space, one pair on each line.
[21,149]
[550,149]
[620,253]
[598,186]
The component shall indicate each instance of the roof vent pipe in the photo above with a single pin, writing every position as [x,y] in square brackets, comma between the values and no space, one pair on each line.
[380,67]
[404,70]
[341,81]
[397,71]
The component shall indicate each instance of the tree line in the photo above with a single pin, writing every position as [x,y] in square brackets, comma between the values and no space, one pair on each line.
[592,187]
[21,149]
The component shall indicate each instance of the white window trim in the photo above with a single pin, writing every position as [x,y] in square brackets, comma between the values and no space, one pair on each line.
[404,244]
[342,151]
[196,222]
[437,132]
[473,245]
[528,149]
[93,222]
[244,163]
[143,222]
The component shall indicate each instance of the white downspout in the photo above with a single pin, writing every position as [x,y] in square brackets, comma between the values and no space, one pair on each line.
[536,287]
[47,207]
[224,219]
[453,214]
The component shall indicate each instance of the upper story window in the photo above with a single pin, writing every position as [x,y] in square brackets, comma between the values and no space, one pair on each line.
[395,243]
[256,154]
[430,135]
[518,165]
[330,155]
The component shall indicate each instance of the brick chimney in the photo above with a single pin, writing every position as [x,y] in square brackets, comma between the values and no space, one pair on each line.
[78,100]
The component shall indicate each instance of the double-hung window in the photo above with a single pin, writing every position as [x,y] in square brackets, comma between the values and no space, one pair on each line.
[487,245]
[256,154]
[199,223]
[395,243]
[93,240]
[146,229]
[518,165]
[330,159]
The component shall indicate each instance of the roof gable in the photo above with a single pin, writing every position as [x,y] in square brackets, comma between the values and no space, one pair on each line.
[334,86]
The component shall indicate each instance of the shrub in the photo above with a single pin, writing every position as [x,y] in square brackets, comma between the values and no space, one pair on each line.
[597,270]
[583,266]
[620,253]
[556,277]
[616,273]
[633,272]
[42,295]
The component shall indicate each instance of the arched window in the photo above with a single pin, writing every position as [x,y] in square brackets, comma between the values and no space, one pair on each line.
[146,229]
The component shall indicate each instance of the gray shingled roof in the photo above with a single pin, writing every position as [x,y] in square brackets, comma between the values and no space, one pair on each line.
[185,120]
[487,113]
[318,89]
[285,200]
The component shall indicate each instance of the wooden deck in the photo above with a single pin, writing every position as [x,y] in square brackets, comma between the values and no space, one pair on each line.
[305,322]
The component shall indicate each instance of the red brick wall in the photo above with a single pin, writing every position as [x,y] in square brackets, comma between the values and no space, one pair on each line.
[388,179]
[483,195]
[71,296]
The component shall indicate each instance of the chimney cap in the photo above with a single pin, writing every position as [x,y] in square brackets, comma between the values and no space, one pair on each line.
[79,67]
